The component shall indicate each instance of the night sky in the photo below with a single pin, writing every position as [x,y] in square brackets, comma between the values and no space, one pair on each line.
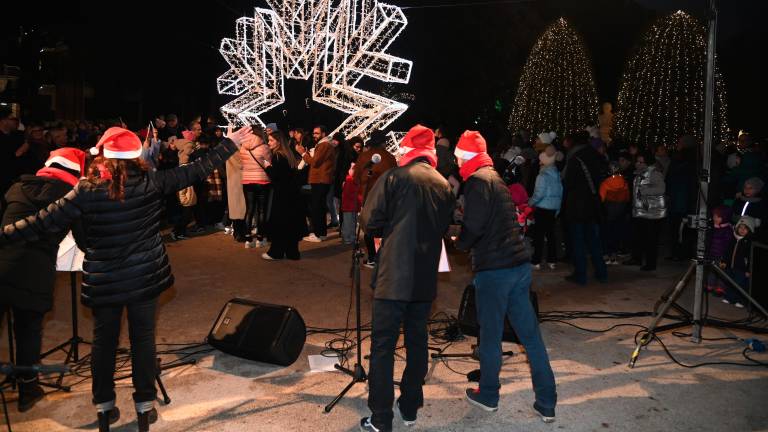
[160,57]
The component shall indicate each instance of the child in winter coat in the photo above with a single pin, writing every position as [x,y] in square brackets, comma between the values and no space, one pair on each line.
[739,265]
[721,241]
[546,201]
[351,202]
[614,193]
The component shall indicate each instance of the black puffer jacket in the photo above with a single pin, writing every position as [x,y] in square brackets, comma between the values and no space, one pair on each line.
[409,208]
[125,259]
[490,230]
[28,272]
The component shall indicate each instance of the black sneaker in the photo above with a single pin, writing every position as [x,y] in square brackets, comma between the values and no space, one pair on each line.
[366,425]
[369,264]
[547,414]
[29,394]
[407,420]
[178,237]
[473,397]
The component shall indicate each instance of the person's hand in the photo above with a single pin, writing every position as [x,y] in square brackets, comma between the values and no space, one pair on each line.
[300,149]
[240,135]
[23,149]
[266,163]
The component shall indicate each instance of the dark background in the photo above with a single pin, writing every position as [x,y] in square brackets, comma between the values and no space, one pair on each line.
[139,59]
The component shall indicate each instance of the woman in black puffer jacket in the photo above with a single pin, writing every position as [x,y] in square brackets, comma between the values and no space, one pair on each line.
[126,266]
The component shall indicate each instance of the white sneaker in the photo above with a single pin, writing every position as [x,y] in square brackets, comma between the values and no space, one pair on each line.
[268,257]
[250,244]
[228,230]
[739,305]
[313,238]
[553,266]
[725,301]
[537,266]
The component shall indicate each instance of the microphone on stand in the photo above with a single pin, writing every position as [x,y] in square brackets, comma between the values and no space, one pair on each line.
[375,159]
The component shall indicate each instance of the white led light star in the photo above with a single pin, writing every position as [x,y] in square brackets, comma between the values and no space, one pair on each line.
[334,42]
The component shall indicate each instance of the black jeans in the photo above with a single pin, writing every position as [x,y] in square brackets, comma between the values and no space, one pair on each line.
[256,201]
[646,244]
[319,208]
[28,333]
[387,317]
[544,227]
[106,336]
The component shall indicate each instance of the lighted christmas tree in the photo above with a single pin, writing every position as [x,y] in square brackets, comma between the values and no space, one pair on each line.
[661,96]
[557,88]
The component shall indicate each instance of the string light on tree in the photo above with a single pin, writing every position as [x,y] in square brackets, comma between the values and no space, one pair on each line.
[334,42]
[661,96]
[557,88]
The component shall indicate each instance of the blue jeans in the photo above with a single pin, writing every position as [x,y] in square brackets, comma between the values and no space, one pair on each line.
[585,237]
[506,291]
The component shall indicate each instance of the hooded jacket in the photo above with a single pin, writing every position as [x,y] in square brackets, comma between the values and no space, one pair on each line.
[125,258]
[28,272]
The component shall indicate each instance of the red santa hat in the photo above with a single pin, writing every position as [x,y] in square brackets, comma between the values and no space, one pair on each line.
[71,159]
[418,142]
[470,144]
[118,143]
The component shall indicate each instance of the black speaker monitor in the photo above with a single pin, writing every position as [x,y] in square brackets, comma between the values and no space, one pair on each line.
[468,316]
[258,331]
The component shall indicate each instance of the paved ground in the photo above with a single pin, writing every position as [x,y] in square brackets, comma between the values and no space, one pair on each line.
[597,392]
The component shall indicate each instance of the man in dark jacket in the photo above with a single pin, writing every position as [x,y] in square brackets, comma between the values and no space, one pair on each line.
[28,272]
[501,263]
[367,173]
[583,174]
[409,208]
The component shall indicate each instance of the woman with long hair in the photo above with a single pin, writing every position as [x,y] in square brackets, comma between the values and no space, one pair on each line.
[286,221]
[126,266]
[256,186]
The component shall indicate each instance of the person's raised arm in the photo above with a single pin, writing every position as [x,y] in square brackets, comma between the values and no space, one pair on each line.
[176,179]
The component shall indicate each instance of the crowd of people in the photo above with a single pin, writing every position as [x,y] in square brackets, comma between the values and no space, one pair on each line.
[272,188]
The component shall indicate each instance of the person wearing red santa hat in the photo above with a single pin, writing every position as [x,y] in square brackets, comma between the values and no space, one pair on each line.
[502,266]
[126,266]
[28,272]
[409,209]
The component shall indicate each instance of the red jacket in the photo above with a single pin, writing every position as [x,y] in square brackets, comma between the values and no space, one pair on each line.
[351,200]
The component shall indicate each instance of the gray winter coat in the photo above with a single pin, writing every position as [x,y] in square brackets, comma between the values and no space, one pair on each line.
[648,200]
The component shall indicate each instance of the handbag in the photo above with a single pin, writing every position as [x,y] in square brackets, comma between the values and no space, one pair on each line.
[187,197]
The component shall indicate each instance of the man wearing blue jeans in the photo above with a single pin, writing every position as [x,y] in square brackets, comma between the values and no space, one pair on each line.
[501,263]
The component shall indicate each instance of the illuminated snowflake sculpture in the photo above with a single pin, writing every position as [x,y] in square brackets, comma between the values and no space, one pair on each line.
[335,42]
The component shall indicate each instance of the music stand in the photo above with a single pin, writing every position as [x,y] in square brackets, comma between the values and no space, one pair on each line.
[70,260]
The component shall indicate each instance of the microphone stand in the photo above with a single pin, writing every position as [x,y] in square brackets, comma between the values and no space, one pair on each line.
[358,374]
